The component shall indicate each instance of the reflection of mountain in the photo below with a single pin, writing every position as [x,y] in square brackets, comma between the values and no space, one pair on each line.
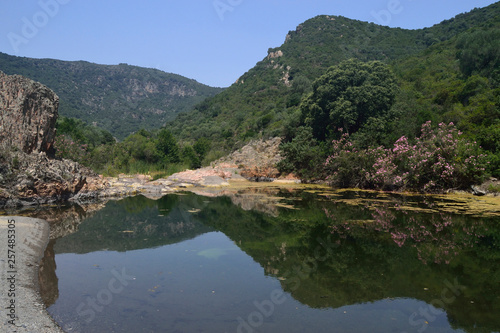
[136,223]
[356,261]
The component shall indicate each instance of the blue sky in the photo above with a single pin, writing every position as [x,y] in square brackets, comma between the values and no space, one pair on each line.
[211,41]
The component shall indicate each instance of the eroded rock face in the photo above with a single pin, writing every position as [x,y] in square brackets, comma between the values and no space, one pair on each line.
[28,114]
[49,178]
[28,176]
[257,160]
[37,179]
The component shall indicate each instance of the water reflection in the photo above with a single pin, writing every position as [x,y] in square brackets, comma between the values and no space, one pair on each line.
[342,262]
[47,277]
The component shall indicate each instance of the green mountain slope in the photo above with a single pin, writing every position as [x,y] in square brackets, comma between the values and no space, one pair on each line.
[121,99]
[265,99]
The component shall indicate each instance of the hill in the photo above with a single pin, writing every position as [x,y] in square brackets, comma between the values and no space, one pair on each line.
[119,98]
[265,100]
[419,109]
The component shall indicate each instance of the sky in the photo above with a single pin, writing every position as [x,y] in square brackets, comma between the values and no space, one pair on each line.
[211,41]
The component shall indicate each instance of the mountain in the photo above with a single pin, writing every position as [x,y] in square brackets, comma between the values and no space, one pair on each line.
[119,98]
[266,99]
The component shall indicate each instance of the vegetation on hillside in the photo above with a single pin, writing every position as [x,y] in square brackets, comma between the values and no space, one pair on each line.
[427,90]
[267,97]
[120,99]
[440,86]
[156,152]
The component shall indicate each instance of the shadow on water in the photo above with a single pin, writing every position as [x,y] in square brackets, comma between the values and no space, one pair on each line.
[397,260]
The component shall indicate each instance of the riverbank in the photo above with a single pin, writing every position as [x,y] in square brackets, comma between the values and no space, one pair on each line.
[22,244]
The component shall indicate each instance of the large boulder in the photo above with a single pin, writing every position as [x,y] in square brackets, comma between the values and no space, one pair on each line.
[28,114]
[256,161]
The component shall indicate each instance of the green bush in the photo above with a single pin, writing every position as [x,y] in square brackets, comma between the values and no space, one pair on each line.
[190,157]
[303,156]
[167,147]
[439,159]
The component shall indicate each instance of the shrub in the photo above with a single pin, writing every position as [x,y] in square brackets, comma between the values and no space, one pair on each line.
[494,188]
[167,146]
[190,157]
[67,148]
[439,159]
[303,155]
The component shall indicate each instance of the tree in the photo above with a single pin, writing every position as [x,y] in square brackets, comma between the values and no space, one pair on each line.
[347,95]
[302,156]
[167,146]
[141,147]
[190,156]
[79,131]
[202,147]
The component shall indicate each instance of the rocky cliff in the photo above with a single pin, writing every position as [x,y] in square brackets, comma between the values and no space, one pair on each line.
[28,176]
[28,114]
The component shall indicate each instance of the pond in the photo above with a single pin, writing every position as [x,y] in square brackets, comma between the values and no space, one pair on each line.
[289,261]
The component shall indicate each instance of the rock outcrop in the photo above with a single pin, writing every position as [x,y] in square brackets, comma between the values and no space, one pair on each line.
[28,176]
[36,179]
[257,160]
[28,114]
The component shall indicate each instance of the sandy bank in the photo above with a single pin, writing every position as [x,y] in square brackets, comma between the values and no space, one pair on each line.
[22,243]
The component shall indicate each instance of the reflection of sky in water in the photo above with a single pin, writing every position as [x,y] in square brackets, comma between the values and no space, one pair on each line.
[207,284]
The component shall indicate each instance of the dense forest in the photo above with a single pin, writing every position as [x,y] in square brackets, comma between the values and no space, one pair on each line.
[357,104]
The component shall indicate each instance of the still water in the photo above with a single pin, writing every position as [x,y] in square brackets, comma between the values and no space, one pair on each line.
[293,261]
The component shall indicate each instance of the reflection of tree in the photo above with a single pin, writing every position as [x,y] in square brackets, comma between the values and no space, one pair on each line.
[434,236]
[137,204]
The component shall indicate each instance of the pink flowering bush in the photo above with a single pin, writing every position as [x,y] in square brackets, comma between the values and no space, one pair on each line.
[434,237]
[349,166]
[437,160]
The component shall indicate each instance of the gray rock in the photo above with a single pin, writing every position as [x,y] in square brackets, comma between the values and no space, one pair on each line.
[28,114]
[28,176]
[477,191]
